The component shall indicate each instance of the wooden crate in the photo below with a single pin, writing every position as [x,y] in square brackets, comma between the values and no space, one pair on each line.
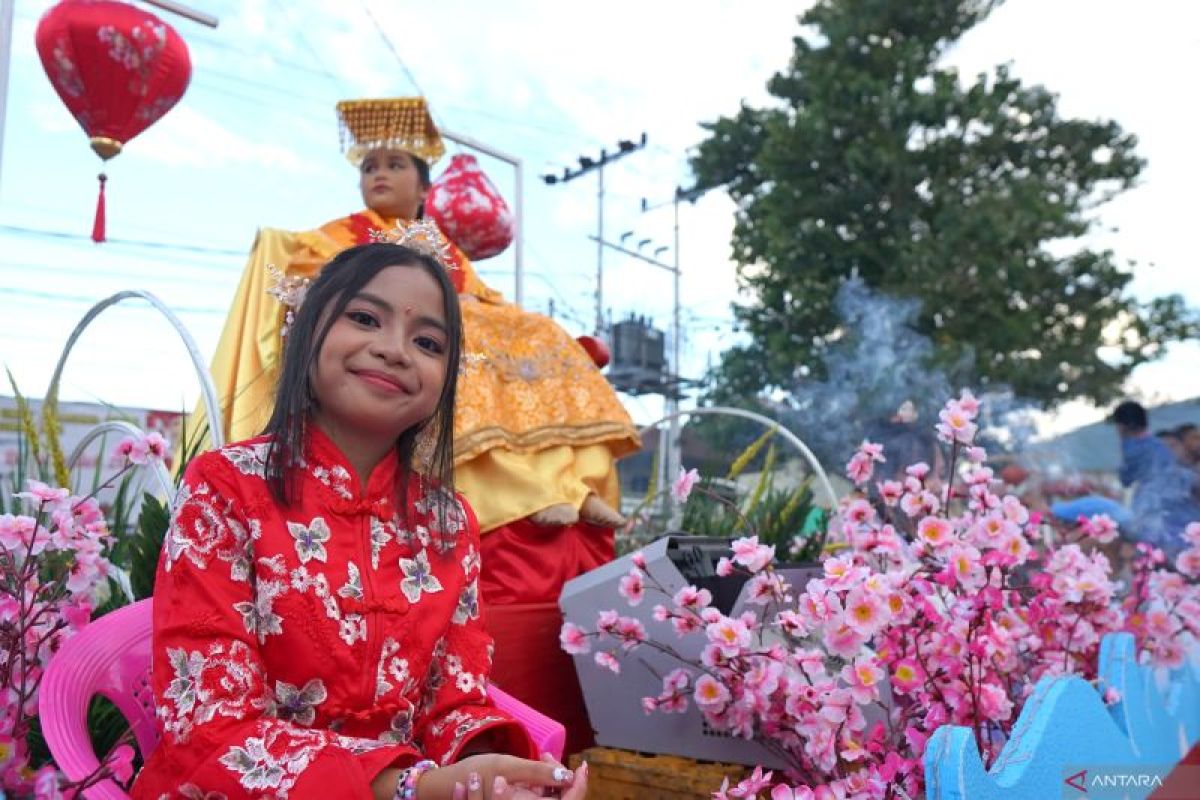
[626,775]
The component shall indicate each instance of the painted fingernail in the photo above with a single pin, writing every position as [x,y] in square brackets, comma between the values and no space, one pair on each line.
[460,792]
[562,775]
[499,785]
[473,782]
[584,768]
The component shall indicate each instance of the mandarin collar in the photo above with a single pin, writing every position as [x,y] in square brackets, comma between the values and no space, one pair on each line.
[324,452]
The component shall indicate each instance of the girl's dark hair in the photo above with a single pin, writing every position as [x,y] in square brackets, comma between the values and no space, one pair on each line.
[339,281]
[423,174]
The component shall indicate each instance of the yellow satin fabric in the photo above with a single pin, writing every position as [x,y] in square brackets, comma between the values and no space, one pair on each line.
[535,422]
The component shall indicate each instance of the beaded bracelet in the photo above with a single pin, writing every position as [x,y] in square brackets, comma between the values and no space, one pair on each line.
[406,784]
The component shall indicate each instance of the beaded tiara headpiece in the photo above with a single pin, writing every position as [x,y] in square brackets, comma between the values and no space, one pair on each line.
[398,123]
[422,236]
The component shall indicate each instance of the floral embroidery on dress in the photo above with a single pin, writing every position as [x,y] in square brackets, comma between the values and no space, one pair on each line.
[353,588]
[299,705]
[190,791]
[418,577]
[203,526]
[351,627]
[381,534]
[259,616]
[358,745]
[248,459]
[466,682]
[274,760]
[464,725]
[445,515]
[468,604]
[392,666]
[310,539]
[226,681]
[400,730]
[471,562]
[336,478]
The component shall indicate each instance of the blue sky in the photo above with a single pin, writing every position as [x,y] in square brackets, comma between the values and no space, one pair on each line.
[254,142]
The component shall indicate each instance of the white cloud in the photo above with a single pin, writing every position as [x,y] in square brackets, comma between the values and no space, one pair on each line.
[188,137]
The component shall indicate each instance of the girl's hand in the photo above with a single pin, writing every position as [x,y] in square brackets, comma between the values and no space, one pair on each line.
[476,777]
[502,790]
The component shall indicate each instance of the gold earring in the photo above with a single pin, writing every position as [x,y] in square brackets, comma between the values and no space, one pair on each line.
[424,446]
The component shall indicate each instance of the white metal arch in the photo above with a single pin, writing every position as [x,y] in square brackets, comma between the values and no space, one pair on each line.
[207,391]
[791,438]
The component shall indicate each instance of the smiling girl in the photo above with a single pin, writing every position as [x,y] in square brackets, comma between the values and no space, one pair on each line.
[316,615]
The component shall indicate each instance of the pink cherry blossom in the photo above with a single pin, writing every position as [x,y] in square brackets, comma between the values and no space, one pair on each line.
[1100,527]
[747,552]
[608,661]
[918,470]
[866,611]
[710,693]
[935,531]
[872,450]
[731,635]
[690,597]
[573,639]
[41,493]
[956,424]
[968,404]
[632,587]
[681,489]
[907,675]
[860,468]
[890,492]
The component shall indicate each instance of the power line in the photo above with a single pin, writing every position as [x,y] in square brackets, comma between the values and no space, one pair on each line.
[65,236]
[383,35]
[70,299]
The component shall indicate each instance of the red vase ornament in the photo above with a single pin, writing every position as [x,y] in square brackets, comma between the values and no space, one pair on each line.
[469,209]
[117,69]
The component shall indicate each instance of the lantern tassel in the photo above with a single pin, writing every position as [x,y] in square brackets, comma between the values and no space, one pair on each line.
[98,225]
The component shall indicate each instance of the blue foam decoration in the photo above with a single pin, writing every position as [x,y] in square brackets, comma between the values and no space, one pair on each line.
[1065,724]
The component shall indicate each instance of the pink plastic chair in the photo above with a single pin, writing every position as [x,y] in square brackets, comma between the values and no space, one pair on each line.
[111,657]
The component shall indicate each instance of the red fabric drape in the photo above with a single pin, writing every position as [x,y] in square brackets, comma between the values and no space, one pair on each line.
[524,569]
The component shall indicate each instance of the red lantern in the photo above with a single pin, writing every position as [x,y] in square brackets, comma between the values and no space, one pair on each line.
[117,69]
[469,210]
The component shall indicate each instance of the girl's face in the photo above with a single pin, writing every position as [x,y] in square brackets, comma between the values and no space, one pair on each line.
[390,184]
[382,365]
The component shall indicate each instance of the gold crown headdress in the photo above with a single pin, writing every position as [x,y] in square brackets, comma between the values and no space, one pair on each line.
[420,235]
[399,123]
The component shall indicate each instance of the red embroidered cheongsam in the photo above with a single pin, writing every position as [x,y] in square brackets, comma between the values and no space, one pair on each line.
[299,651]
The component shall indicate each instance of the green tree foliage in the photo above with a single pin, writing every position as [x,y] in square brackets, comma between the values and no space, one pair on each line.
[881,162]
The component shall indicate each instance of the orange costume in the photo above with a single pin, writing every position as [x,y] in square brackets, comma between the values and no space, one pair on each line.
[536,424]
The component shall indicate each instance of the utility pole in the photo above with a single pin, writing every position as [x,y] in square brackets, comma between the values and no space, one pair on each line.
[6,21]
[586,165]
[674,451]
